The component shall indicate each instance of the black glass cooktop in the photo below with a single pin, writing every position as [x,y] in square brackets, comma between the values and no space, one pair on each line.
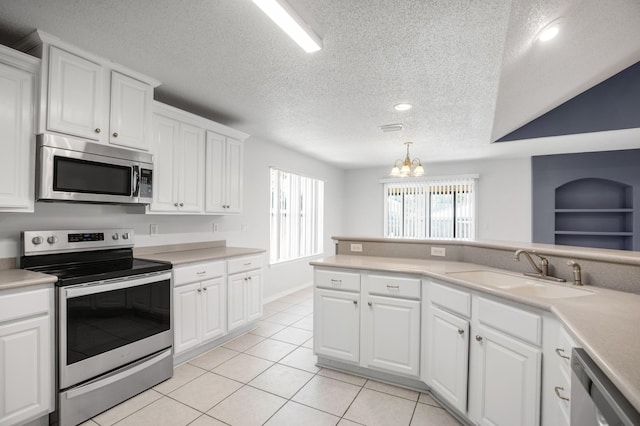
[78,268]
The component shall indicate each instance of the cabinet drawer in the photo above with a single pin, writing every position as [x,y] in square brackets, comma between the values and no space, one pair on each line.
[197,272]
[22,303]
[451,299]
[393,286]
[517,322]
[241,264]
[337,280]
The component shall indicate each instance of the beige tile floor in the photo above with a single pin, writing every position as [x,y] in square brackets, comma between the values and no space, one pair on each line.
[269,377]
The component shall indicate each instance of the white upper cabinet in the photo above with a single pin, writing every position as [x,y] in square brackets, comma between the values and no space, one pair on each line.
[17,144]
[75,102]
[224,174]
[178,183]
[130,118]
[196,170]
[91,97]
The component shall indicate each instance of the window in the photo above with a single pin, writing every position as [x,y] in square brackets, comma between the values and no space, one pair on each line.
[297,207]
[442,208]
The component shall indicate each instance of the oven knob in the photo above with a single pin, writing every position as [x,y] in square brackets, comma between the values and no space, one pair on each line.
[125,236]
[37,240]
[52,239]
[115,236]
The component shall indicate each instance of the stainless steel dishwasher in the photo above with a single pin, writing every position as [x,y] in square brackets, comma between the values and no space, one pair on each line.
[595,401]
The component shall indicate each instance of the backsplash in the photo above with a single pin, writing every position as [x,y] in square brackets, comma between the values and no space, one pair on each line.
[600,268]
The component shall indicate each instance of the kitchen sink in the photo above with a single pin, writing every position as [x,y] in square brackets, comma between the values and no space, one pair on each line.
[518,284]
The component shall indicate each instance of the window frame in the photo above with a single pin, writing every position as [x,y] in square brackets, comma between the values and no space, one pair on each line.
[426,184]
[304,206]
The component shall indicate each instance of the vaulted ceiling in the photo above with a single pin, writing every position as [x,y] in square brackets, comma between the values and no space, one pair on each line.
[471,68]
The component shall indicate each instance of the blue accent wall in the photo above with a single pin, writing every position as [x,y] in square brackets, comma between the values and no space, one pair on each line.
[611,105]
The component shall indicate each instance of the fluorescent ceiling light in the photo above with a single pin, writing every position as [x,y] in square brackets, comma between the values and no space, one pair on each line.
[287,19]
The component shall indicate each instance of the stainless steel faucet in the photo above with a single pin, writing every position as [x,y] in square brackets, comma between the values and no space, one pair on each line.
[577,272]
[542,271]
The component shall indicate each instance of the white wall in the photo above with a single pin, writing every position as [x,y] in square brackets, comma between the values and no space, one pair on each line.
[251,229]
[504,194]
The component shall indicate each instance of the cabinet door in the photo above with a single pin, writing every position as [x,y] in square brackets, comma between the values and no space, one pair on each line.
[236,301]
[505,386]
[391,335]
[254,296]
[187,321]
[336,324]
[215,173]
[191,192]
[233,176]
[214,308]
[76,96]
[26,369]
[166,132]
[17,142]
[130,118]
[448,356]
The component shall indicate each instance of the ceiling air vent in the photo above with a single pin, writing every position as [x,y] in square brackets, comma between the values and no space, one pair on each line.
[392,127]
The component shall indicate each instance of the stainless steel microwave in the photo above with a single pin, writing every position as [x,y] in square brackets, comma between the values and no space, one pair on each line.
[70,169]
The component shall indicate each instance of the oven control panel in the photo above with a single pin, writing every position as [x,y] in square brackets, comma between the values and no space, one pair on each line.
[46,242]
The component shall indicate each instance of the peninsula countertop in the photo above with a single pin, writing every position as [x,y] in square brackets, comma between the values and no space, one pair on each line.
[605,323]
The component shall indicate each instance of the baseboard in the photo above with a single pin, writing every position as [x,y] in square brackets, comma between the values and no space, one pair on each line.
[287,292]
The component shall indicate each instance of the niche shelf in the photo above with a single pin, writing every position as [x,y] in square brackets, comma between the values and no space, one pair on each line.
[594,212]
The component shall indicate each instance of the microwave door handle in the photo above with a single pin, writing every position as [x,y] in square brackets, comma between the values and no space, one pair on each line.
[135,182]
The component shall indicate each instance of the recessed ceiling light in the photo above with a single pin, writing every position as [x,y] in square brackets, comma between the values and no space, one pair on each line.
[550,31]
[402,107]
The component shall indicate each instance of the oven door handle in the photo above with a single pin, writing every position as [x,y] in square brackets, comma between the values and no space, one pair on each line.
[118,375]
[115,284]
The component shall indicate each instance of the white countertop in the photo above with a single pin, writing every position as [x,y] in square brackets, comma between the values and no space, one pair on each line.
[605,324]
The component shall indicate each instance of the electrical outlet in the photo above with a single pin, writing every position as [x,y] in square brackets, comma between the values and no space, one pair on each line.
[216,227]
[438,251]
[153,229]
[356,248]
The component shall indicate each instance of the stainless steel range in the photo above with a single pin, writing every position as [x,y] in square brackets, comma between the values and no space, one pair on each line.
[113,318]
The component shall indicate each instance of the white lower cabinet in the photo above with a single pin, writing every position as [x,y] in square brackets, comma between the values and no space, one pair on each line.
[482,355]
[447,356]
[391,335]
[382,334]
[336,325]
[244,285]
[26,355]
[200,306]
[505,380]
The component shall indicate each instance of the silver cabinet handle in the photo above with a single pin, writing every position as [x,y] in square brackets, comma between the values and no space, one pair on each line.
[98,130]
[175,204]
[370,304]
[204,289]
[201,273]
[355,302]
[115,134]
[561,354]
[199,290]
[247,264]
[392,286]
[181,204]
[558,389]
[478,338]
[460,331]
[336,282]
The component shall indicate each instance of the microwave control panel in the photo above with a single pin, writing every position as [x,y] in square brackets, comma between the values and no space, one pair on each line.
[146,181]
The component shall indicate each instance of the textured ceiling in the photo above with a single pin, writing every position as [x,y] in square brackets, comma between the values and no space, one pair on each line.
[469,67]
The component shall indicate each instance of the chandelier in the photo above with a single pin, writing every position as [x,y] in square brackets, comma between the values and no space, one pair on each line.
[407,167]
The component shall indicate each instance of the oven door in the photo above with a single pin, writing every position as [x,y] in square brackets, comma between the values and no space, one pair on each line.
[107,324]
